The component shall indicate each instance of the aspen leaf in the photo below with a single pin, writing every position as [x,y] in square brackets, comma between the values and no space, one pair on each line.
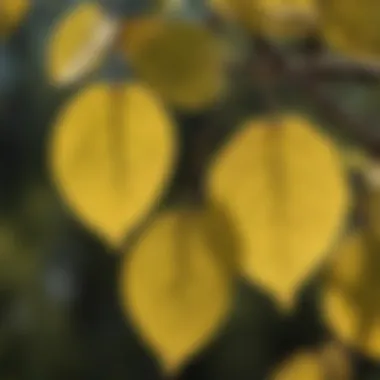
[175,287]
[111,163]
[286,192]
[349,295]
[277,19]
[287,18]
[138,31]
[244,12]
[12,12]
[351,27]
[183,61]
[300,366]
[79,43]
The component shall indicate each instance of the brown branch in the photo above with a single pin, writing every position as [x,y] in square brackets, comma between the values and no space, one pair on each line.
[354,128]
[327,67]
[311,73]
[269,63]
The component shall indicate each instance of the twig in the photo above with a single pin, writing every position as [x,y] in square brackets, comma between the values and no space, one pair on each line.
[355,129]
[332,68]
[311,73]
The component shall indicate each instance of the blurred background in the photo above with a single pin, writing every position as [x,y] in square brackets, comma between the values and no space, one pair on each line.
[59,312]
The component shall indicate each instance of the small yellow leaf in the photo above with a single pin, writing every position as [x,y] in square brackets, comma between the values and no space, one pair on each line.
[302,365]
[184,62]
[176,288]
[286,192]
[351,27]
[78,43]
[12,12]
[349,295]
[244,12]
[283,19]
[278,19]
[138,31]
[111,162]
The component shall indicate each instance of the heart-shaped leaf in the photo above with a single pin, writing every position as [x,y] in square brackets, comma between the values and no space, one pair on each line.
[111,155]
[283,185]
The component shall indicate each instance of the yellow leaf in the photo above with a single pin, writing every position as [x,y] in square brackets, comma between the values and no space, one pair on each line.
[78,43]
[240,11]
[300,366]
[183,62]
[351,27]
[349,295]
[138,31]
[111,162]
[175,288]
[287,195]
[278,19]
[12,12]
[287,18]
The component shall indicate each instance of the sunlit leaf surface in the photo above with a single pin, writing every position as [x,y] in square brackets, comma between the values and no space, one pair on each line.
[110,161]
[12,12]
[78,43]
[183,62]
[279,19]
[176,288]
[351,27]
[349,294]
[286,191]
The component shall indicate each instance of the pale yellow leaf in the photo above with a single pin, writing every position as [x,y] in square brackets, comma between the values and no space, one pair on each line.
[183,61]
[239,11]
[351,27]
[287,18]
[278,19]
[349,295]
[288,196]
[79,42]
[176,287]
[138,31]
[112,163]
[12,12]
